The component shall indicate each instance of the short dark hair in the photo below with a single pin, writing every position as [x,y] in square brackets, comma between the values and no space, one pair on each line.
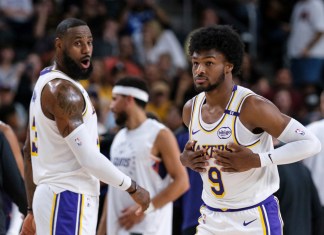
[137,83]
[222,38]
[66,24]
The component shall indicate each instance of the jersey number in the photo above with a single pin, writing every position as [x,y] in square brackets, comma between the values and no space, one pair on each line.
[215,179]
[34,145]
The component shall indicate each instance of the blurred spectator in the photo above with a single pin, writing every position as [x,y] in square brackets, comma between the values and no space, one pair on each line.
[183,88]
[306,42]
[10,71]
[15,217]
[250,72]
[14,145]
[11,182]
[157,41]
[14,116]
[209,17]
[46,18]
[283,80]
[125,60]
[107,43]
[33,66]
[137,12]
[283,101]
[159,103]
[17,16]
[94,13]
[274,30]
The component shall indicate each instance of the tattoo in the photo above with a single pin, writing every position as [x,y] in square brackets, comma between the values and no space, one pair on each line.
[71,103]
[68,101]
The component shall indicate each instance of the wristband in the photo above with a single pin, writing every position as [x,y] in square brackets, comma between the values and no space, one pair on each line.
[134,191]
[150,209]
[29,209]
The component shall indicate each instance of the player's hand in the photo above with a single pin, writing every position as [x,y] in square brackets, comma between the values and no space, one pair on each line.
[195,160]
[28,227]
[240,159]
[142,198]
[129,217]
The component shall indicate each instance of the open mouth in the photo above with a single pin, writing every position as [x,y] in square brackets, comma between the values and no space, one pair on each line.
[85,63]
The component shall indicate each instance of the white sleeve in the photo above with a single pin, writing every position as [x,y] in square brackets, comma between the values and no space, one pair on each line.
[89,157]
[300,143]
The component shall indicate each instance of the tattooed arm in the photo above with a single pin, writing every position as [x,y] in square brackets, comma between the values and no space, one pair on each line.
[63,102]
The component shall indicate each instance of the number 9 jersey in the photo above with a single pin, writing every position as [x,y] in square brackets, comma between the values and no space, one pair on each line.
[232,190]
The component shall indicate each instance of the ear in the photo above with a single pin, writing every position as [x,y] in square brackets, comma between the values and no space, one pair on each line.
[58,43]
[228,68]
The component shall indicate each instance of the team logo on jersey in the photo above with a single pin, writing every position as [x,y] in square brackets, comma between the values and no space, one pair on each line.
[301,132]
[224,132]
[78,141]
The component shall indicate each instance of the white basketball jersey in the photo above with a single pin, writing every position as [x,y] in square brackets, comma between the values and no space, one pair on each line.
[53,161]
[131,153]
[232,190]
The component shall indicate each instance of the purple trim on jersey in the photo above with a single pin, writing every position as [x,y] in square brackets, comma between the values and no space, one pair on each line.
[233,113]
[46,70]
[269,199]
[67,214]
[271,208]
[225,111]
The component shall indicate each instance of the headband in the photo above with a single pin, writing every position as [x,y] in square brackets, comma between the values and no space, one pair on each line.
[131,91]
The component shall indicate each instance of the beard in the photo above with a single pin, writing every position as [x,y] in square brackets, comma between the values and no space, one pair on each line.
[211,87]
[74,70]
[121,118]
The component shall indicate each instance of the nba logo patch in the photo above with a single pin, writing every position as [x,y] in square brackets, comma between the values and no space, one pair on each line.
[78,141]
[224,132]
[301,132]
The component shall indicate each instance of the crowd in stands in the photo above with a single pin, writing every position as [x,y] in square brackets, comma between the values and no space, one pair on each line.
[137,38]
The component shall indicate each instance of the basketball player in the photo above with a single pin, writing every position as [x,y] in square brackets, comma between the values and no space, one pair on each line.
[230,144]
[147,151]
[62,150]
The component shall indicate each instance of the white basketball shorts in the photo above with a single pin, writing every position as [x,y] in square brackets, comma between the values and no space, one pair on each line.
[261,219]
[65,213]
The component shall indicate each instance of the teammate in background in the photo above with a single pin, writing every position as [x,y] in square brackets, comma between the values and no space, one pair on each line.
[147,151]
[230,144]
[61,151]
[315,163]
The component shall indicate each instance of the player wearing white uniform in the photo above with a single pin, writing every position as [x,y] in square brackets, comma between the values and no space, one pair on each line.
[230,144]
[147,151]
[62,155]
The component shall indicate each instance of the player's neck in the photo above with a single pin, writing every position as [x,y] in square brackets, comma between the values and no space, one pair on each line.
[136,119]
[221,95]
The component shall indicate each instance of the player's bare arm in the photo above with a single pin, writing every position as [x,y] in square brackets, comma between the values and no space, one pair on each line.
[170,158]
[186,112]
[28,227]
[259,115]
[63,103]
[180,183]
[195,160]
